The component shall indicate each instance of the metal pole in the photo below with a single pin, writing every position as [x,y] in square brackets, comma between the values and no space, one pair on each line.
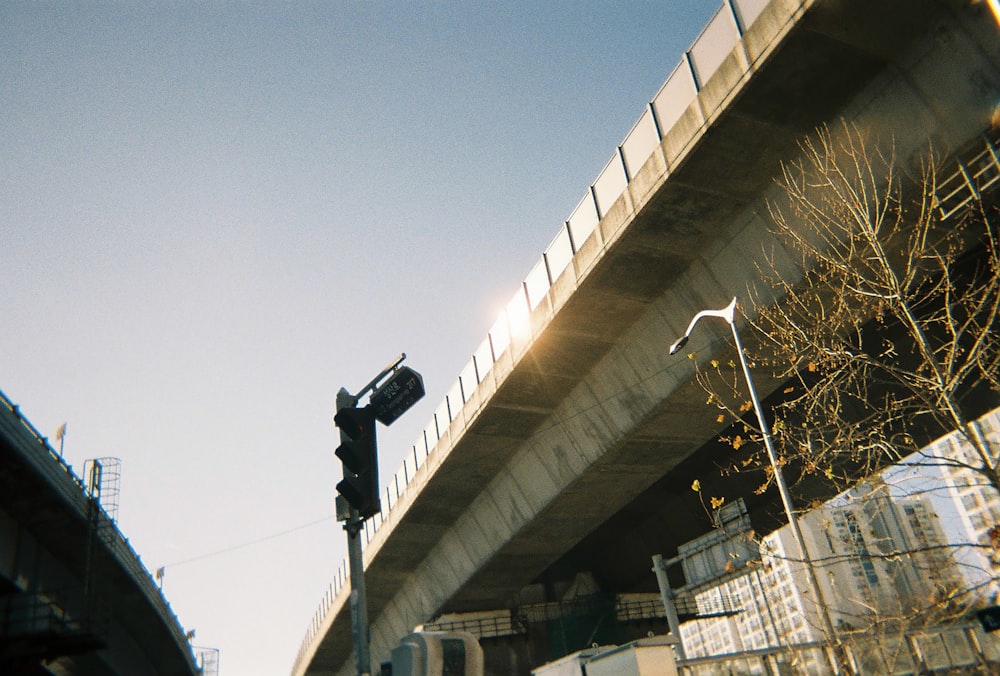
[729,314]
[660,568]
[386,371]
[359,601]
[786,499]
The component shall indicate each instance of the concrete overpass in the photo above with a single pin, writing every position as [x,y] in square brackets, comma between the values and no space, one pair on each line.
[569,442]
[74,596]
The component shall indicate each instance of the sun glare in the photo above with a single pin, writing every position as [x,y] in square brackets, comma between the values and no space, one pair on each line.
[518,316]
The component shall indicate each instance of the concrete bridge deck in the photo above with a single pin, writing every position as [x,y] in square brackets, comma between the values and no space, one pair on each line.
[569,442]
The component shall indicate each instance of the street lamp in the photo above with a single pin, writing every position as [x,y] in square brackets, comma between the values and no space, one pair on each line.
[728,314]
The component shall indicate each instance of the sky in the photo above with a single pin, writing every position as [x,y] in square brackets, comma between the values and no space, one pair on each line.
[214,215]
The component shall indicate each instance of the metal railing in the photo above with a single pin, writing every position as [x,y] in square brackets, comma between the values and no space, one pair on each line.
[53,613]
[517,621]
[977,172]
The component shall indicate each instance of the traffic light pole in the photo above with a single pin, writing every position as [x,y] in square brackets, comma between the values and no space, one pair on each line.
[358,497]
[354,525]
[359,601]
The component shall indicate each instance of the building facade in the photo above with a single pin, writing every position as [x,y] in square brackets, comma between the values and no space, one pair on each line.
[904,549]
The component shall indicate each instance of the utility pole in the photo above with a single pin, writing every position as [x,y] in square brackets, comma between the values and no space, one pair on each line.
[667,596]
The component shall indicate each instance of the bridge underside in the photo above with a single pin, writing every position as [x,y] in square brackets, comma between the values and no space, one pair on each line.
[69,603]
[580,454]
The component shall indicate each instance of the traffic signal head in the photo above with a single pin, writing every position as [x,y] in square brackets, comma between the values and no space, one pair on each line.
[359,455]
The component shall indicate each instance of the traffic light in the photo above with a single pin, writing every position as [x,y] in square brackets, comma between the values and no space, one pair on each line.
[359,455]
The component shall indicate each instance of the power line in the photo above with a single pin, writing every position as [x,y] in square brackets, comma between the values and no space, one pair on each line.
[247,544]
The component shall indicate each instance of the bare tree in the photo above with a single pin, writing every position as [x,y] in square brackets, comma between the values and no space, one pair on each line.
[895,327]
[891,336]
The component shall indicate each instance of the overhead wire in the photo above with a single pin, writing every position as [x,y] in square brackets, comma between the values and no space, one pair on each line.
[244,545]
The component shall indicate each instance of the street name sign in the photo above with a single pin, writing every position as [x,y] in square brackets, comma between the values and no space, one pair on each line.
[401,391]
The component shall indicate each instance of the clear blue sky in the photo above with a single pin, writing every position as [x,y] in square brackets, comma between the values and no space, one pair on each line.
[214,215]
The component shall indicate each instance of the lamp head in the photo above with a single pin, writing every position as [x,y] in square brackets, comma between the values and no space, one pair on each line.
[681,342]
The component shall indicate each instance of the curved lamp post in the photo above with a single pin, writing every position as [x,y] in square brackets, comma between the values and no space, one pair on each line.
[728,313]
